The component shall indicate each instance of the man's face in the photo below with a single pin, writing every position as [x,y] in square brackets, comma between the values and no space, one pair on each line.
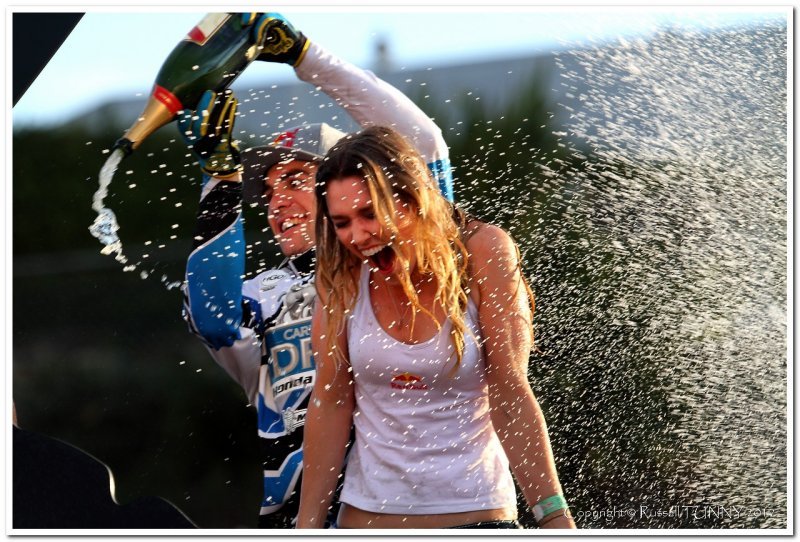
[292,206]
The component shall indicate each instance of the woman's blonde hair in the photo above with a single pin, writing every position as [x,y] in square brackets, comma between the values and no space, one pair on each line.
[393,170]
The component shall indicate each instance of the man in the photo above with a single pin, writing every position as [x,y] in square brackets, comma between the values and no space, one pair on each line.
[259,330]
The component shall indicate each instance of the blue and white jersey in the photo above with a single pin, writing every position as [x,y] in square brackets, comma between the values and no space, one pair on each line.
[287,377]
[285,297]
[269,355]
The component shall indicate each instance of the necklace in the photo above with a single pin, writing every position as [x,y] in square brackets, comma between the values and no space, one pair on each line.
[402,315]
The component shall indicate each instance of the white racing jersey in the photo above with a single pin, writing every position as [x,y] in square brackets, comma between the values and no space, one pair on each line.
[259,331]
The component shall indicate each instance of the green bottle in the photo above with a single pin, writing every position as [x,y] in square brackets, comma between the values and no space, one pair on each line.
[211,56]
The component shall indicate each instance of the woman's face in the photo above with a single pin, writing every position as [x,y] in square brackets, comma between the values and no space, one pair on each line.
[357,228]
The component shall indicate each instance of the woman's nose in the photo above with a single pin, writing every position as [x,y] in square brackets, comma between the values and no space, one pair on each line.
[360,235]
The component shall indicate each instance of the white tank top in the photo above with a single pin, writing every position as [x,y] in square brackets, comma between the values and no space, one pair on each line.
[425,443]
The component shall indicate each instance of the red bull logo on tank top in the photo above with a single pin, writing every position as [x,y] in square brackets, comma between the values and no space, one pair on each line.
[407,381]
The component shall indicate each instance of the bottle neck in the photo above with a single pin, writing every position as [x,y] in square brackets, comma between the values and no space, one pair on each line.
[155,115]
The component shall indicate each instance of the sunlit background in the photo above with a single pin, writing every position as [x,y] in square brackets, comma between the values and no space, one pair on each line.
[639,157]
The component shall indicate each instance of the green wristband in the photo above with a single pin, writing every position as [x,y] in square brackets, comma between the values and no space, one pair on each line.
[549,505]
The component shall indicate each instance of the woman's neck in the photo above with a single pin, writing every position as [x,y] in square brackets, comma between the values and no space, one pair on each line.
[393,283]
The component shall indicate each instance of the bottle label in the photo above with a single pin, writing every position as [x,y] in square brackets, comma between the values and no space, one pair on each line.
[206,28]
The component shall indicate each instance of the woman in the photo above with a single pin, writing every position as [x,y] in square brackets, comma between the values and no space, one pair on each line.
[421,335]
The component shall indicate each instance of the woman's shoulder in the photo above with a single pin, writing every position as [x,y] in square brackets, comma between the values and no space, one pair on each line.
[484,240]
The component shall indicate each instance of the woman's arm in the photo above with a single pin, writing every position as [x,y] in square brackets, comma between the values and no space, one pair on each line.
[327,429]
[505,317]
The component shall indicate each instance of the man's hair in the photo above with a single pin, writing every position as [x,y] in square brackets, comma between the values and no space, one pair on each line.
[308,142]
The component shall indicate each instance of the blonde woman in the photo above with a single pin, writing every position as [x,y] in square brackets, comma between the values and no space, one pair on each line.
[421,335]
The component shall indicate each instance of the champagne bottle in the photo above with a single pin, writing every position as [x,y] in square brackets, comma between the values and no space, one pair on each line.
[211,56]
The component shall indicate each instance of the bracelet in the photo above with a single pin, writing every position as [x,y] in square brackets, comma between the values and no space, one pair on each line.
[549,505]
